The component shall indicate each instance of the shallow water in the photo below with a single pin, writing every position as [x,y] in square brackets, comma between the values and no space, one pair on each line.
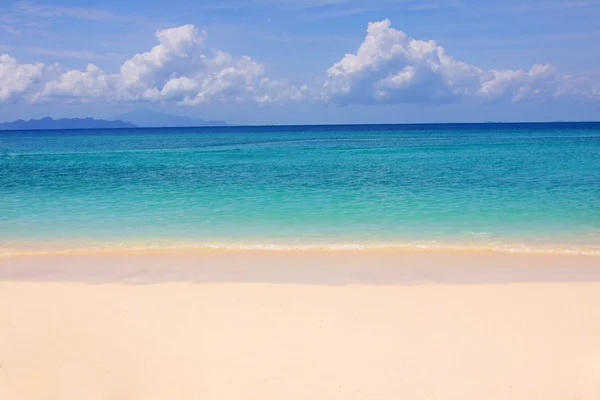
[514,187]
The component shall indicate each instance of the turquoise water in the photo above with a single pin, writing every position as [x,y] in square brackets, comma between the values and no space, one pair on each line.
[504,186]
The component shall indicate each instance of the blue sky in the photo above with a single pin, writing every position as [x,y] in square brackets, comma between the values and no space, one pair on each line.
[293,61]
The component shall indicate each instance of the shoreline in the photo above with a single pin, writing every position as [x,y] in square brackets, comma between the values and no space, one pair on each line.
[45,249]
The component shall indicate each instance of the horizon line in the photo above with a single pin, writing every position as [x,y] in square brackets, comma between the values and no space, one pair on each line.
[220,127]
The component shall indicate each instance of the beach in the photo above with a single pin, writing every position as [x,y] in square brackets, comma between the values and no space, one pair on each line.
[434,261]
[263,200]
[300,324]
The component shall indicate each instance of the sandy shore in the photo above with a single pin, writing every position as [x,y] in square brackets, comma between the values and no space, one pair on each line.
[306,325]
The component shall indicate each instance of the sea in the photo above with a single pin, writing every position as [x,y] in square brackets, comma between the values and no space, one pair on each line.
[531,187]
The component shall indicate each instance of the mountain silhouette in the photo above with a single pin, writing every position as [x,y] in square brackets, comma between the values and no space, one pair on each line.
[148,118]
[64,123]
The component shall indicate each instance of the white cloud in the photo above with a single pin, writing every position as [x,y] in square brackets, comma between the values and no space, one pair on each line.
[82,86]
[178,53]
[16,79]
[390,67]
[177,69]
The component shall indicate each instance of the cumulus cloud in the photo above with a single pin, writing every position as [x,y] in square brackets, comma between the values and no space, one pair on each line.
[177,69]
[16,79]
[391,67]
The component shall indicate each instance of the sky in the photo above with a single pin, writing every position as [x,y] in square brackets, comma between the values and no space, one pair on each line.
[302,61]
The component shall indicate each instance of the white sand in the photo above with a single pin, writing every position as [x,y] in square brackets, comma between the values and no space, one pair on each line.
[179,340]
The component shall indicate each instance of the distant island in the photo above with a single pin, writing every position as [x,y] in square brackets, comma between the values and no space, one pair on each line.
[154,119]
[134,119]
[64,123]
